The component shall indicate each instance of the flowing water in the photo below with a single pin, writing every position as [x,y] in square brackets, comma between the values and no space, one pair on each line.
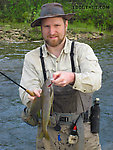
[14,133]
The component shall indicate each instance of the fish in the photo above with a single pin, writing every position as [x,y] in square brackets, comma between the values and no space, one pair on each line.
[47,102]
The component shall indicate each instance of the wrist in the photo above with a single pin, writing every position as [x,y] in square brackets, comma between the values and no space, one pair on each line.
[72,78]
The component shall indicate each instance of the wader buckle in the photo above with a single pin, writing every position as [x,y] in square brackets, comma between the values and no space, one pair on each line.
[64,119]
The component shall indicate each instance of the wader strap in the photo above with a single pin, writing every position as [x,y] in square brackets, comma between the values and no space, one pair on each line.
[72,57]
[43,64]
[73,67]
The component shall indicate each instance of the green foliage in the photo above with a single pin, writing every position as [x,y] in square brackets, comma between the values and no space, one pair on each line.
[98,13]
[79,27]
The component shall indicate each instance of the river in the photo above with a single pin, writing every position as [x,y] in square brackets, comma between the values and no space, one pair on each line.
[14,133]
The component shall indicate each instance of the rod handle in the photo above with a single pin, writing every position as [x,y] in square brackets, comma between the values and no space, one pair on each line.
[30,92]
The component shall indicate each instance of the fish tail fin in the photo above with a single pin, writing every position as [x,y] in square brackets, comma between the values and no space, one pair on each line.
[41,135]
[44,134]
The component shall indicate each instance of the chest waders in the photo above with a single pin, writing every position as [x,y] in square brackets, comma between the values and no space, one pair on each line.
[73,100]
[69,101]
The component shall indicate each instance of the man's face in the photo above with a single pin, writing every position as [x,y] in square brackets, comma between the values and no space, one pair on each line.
[53,30]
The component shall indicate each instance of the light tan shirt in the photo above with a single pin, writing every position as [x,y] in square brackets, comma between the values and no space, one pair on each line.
[88,72]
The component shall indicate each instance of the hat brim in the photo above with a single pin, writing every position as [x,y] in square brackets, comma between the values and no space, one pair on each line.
[37,22]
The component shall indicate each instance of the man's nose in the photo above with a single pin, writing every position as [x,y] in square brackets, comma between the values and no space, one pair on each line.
[52,30]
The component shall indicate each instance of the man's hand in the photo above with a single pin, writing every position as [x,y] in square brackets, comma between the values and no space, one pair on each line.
[63,78]
[37,94]
[60,78]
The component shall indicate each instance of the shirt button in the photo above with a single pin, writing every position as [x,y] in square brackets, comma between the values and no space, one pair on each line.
[84,90]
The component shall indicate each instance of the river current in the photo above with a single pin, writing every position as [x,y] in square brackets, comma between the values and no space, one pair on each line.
[14,133]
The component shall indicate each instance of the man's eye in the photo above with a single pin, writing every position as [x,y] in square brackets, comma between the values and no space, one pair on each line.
[57,25]
[46,26]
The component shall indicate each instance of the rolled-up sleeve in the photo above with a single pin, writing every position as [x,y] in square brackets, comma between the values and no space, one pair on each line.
[29,78]
[88,78]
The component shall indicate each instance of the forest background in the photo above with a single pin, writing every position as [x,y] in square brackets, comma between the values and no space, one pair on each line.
[93,15]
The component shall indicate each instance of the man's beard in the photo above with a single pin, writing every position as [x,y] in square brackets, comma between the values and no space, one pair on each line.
[54,42]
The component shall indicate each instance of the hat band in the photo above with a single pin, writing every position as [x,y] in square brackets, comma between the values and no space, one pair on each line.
[52,11]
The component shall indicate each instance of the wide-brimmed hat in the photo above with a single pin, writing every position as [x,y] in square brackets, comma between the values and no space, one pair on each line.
[50,10]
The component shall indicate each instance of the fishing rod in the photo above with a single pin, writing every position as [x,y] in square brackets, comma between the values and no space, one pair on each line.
[28,91]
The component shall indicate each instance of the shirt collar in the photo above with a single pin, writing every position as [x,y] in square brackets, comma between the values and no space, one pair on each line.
[67,46]
[66,49]
[44,50]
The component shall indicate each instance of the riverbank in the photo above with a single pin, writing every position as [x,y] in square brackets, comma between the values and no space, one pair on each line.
[25,33]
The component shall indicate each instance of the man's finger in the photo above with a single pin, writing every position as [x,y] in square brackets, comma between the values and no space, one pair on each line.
[56,75]
[32,98]
[38,92]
